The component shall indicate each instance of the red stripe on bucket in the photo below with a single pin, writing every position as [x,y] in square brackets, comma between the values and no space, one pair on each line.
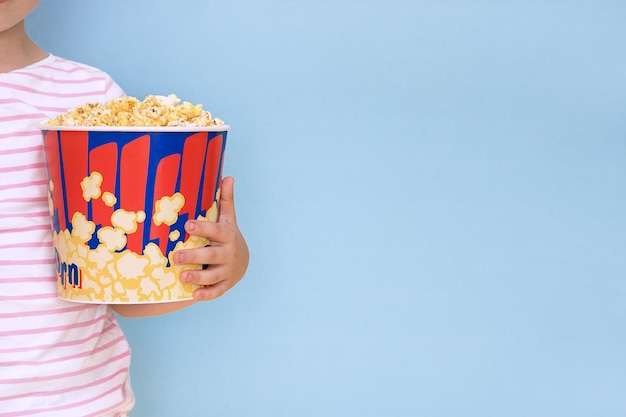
[74,148]
[191,174]
[103,159]
[51,141]
[164,185]
[212,170]
[133,179]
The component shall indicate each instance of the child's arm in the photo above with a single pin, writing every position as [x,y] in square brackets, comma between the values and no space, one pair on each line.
[228,256]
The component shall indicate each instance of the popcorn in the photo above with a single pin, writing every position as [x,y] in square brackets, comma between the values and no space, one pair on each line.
[91,186]
[167,209]
[108,198]
[129,111]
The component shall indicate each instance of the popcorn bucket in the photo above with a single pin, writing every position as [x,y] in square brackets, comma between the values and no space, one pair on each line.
[119,199]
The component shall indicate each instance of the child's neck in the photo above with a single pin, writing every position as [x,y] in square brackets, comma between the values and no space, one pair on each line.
[17,50]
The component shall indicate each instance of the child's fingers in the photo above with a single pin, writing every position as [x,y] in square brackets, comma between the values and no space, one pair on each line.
[227,201]
[215,232]
[209,255]
[209,276]
[211,292]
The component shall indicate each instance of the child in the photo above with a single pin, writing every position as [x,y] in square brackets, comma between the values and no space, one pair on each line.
[59,358]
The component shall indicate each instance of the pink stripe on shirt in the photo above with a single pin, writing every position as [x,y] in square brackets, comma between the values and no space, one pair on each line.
[21,215]
[23,167]
[61,375]
[56,80]
[29,296]
[25,245]
[53,329]
[20,117]
[14,135]
[67,389]
[63,358]
[22,150]
[47,93]
[61,408]
[63,344]
[23,185]
[24,229]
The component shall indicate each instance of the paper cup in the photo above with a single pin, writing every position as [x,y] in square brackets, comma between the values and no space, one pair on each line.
[119,199]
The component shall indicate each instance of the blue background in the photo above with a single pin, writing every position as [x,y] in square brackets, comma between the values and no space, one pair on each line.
[433,193]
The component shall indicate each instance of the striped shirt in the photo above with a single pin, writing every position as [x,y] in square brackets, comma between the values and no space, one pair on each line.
[56,358]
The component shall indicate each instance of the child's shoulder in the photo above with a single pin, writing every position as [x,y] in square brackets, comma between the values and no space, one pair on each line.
[56,63]
[64,83]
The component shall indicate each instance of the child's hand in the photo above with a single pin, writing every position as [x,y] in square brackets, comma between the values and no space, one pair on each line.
[227,256]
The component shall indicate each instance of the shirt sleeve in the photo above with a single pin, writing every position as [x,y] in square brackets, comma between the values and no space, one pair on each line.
[112,89]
